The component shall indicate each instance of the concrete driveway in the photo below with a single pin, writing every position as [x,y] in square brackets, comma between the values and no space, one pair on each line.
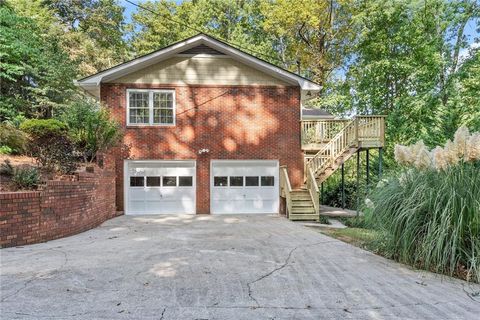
[218,267]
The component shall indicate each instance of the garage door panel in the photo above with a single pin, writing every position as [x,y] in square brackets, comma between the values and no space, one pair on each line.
[251,196]
[153,187]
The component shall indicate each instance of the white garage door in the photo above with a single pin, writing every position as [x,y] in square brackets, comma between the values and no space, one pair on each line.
[160,187]
[244,186]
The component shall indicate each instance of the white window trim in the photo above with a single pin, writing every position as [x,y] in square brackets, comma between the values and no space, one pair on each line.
[150,108]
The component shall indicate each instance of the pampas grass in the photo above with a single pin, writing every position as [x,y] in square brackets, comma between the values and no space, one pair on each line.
[429,214]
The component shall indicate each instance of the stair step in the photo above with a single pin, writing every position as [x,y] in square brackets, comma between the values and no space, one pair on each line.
[303,210]
[302,204]
[304,217]
[301,197]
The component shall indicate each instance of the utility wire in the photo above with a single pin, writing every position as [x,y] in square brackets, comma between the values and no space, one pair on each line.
[233,44]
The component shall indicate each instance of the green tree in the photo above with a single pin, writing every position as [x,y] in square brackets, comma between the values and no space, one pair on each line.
[35,73]
[406,65]
[92,30]
[316,34]
[238,22]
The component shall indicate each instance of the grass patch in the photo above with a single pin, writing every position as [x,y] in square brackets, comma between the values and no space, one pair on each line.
[356,236]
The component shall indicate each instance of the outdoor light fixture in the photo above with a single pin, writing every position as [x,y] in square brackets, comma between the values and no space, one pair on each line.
[202,151]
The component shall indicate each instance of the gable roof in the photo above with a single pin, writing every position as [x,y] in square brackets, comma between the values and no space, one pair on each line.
[92,83]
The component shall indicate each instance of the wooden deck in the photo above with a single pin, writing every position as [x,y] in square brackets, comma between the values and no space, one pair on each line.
[327,144]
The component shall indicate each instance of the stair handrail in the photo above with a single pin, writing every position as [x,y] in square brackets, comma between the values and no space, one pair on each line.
[336,146]
[286,189]
[312,187]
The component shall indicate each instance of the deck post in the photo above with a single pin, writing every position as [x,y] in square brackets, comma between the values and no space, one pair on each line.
[358,181]
[343,185]
[380,155]
[321,193]
[368,167]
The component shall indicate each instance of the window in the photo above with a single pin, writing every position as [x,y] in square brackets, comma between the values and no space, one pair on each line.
[185,181]
[138,107]
[163,108]
[136,181]
[151,107]
[236,181]
[153,181]
[220,181]
[268,181]
[251,181]
[169,181]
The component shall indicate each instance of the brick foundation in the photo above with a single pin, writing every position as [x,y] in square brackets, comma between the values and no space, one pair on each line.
[233,122]
[61,209]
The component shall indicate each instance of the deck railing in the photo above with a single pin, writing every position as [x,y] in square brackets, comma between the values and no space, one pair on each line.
[320,131]
[312,187]
[362,131]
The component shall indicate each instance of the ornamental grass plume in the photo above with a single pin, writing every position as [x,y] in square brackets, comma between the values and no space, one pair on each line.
[464,147]
[472,152]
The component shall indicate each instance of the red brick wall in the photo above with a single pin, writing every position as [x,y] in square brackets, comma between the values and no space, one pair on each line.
[61,209]
[233,122]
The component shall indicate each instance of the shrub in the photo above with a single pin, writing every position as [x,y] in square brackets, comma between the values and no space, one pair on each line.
[44,127]
[6,150]
[50,145]
[12,140]
[429,214]
[6,168]
[91,128]
[25,178]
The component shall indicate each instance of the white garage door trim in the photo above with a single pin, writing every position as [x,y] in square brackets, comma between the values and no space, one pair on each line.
[161,192]
[254,199]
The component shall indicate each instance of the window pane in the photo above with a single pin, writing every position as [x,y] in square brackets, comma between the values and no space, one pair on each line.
[169,181]
[138,100]
[185,181]
[268,181]
[220,181]
[251,181]
[153,181]
[236,181]
[139,116]
[136,181]
[163,107]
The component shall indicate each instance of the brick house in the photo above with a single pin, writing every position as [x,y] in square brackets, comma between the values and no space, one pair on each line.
[207,128]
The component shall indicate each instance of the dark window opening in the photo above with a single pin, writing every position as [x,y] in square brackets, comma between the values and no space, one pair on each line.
[153,181]
[220,181]
[251,181]
[268,181]
[236,181]
[185,181]
[169,181]
[136,181]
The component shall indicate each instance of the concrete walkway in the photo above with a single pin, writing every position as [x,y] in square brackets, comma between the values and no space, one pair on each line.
[218,267]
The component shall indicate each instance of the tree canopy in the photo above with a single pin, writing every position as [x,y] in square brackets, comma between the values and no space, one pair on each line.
[416,61]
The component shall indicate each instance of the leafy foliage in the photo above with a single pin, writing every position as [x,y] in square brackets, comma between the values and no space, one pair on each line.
[90,128]
[6,168]
[39,128]
[25,178]
[35,72]
[12,138]
[50,145]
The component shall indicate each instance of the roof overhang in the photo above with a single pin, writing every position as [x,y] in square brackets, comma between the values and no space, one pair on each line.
[91,84]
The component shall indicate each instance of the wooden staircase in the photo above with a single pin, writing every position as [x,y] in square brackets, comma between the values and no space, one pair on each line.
[302,206]
[360,132]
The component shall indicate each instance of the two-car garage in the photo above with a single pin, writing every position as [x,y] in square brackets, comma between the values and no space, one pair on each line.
[170,187]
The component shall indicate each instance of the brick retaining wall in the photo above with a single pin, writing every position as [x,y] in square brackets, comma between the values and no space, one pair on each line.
[61,209]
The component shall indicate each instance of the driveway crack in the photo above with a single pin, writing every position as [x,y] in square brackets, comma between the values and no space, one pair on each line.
[283,265]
